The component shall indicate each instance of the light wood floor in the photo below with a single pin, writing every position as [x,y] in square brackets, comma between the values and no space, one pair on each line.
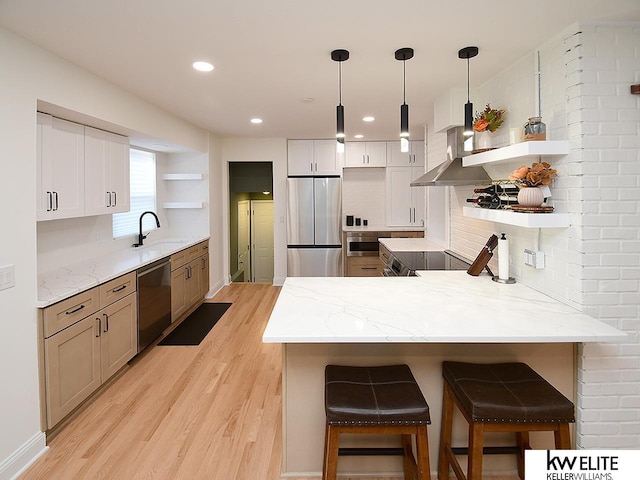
[211,412]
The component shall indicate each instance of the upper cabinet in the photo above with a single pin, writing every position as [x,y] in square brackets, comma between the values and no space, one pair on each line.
[405,204]
[413,158]
[312,157]
[79,170]
[106,172]
[59,168]
[365,154]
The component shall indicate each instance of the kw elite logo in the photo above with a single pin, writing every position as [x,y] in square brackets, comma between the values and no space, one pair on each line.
[581,467]
[582,464]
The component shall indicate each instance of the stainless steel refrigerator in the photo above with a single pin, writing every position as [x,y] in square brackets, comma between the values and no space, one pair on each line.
[314,237]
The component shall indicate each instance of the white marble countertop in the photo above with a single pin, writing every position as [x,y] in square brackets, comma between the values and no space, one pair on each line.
[439,307]
[64,282]
[411,245]
[380,228]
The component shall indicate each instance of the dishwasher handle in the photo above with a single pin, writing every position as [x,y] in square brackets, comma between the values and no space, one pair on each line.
[153,266]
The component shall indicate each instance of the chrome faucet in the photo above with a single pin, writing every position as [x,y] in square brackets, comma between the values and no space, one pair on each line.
[141,237]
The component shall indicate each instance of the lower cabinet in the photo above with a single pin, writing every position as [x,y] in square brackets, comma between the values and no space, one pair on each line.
[81,357]
[189,281]
[368,266]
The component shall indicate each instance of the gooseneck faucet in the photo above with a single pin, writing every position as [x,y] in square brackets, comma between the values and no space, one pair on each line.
[141,237]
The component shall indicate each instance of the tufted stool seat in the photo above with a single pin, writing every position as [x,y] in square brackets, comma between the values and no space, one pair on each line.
[382,400]
[502,397]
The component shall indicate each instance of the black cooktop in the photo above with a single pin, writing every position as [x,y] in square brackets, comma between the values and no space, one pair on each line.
[445,260]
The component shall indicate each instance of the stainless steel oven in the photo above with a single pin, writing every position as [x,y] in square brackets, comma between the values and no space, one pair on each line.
[362,244]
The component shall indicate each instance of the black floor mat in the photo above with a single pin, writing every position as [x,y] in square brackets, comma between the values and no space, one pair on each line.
[197,325]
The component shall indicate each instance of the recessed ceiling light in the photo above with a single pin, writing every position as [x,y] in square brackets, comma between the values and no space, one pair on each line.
[256,120]
[368,119]
[359,135]
[203,66]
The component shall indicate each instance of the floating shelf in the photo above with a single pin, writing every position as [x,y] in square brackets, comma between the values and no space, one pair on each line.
[182,176]
[519,151]
[527,220]
[183,205]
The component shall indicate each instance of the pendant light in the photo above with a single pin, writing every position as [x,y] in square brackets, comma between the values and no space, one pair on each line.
[468,52]
[340,56]
[404,54]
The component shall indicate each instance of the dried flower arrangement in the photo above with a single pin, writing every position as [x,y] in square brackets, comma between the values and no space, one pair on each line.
[538,174]
[489,119]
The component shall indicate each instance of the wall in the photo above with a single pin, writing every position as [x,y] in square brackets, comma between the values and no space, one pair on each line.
[363,194]
[272,150]
[30,75]
[592,265]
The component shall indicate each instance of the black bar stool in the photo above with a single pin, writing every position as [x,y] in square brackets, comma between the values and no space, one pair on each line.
[383,400]
[502,397]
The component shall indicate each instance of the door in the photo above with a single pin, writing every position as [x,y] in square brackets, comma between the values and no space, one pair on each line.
[119,335]
[328,207]
[262,240]
[244,239]
[300,211]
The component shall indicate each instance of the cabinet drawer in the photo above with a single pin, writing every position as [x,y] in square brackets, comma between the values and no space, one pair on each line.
[407,234]
[117,288]
[363,266]
[178,259]
[384,254]
[204,247]
[67,312]
[194,252]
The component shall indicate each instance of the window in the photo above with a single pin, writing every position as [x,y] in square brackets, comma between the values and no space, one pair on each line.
[142,176]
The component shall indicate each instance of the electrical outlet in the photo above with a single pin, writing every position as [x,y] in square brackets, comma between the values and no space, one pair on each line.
[7,277]
[534,258]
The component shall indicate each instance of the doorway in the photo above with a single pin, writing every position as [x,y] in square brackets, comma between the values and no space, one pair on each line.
[251,223]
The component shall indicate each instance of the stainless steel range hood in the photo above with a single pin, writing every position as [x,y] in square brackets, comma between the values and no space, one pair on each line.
[451,172]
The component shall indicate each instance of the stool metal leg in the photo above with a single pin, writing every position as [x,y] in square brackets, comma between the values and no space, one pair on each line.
[445,433]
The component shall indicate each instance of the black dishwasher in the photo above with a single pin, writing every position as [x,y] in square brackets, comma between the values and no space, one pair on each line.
[154,301]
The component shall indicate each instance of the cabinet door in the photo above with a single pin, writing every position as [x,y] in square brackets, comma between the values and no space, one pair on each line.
[300,157]
[193,282]
[204,275]
[119,339]
[414,157]
[399,207]
[72,367]
[376,154]
[178,292]
[355,154]
[106,172]
[324,158]
[59,168]
[363,266]
[418,199]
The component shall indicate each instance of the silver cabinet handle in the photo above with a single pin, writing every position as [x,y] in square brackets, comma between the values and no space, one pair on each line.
[99,327]
[115,199]
[49,201]
[55,195]
[106,322]
[107,197]
[119,289]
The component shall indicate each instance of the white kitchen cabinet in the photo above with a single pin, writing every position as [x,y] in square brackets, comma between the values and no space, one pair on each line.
[365,154]
[59,168]
[405,204]
[413,158]
[312,157]
[106,170]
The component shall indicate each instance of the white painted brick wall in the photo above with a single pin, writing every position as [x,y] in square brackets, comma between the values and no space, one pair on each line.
[595,264]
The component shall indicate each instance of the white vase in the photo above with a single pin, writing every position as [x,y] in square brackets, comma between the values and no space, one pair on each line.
[530,197]
[483,140]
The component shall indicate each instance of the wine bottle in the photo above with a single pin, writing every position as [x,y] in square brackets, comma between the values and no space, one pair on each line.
[493,201]
[498,189]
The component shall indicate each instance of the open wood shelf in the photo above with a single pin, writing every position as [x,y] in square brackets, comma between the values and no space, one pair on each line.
[527,220]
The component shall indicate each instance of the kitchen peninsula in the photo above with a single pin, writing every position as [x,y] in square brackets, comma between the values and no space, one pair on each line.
[420,321]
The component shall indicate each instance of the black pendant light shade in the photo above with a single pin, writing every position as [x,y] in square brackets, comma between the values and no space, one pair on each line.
[467,53]
[404,54]
[340,56]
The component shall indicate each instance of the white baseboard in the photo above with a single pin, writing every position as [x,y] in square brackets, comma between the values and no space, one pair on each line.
[18,462]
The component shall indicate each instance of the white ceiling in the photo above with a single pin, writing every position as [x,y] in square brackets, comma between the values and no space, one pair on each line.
[270,55]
